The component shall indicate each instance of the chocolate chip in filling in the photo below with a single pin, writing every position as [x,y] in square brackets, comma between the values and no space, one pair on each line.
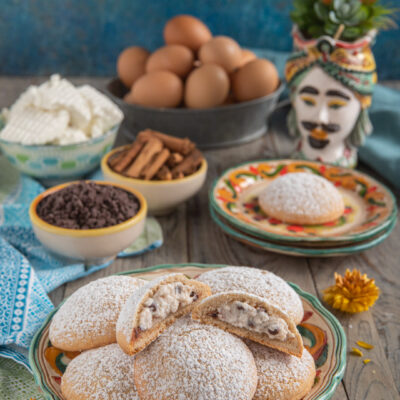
[165,301]
[243,315]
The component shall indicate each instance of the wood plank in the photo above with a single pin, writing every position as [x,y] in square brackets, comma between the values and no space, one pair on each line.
[174,250]
[208,244]
[57,295]
[340,393]
[382,263]
[221,249]
[375,380]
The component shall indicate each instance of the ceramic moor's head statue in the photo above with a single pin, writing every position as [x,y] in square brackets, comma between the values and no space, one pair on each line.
[331,84]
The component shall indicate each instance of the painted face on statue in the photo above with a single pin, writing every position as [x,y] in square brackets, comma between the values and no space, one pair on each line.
[326,113]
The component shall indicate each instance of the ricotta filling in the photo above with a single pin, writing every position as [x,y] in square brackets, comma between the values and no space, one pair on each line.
[243,315]
[165,301]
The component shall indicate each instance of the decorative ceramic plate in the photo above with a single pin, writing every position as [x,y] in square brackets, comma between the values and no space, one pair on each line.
[321,331]
[314,245]
[293,250]
[370,206]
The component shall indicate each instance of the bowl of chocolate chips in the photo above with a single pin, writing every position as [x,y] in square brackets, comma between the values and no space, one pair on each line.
[90,221]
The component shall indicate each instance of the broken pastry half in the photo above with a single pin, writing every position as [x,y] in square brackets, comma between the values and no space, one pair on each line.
[154,307]
[251,317]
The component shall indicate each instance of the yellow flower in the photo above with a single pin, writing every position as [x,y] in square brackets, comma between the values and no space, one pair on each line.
[357,352]
[365,345]
[352,292]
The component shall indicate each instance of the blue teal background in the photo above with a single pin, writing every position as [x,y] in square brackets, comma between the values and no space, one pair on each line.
[84,37]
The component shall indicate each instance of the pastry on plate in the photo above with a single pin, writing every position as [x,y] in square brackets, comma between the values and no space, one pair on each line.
[155,306]
[258,282]
[302,198]
[105,373]
[192,361]
[282,376]
[89,316]
[250,317]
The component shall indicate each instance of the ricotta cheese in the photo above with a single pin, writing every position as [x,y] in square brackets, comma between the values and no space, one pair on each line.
[57,112]
[244,315]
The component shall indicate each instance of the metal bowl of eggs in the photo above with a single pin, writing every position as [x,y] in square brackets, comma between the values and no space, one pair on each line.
[198,86]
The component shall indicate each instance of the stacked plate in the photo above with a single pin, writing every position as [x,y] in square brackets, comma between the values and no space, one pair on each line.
[369,217]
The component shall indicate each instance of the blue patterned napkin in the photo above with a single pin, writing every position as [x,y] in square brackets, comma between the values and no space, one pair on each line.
[28,272]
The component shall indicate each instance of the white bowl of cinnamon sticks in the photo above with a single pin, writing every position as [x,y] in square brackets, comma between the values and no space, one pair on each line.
[166,169]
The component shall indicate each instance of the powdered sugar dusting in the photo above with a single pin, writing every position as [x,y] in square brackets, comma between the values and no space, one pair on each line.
[127,316]
[280,376]
[301,194]
[105,373]
[92,312]
[196,362]
[258,282]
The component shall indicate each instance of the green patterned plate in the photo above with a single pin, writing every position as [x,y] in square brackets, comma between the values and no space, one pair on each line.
[322,334]
[370,206]
[312,245]
[292,250]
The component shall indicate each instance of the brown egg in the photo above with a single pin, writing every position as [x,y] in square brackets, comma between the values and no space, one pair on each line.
[187,31]
[207,86]
[131,64]
[157,89]
[247,56]
[223,51]
[174,57]
[255,79]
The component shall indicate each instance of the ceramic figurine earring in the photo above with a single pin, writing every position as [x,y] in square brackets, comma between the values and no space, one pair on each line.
[331,84]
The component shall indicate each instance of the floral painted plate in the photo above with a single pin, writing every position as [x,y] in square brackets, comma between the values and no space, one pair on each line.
[292,250]
[370,206]
[321,331]
[314,245]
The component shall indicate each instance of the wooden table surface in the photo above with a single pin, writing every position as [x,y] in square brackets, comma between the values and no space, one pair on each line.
[191,236]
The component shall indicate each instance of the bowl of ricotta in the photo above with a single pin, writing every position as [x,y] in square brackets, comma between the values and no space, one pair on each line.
[57,131]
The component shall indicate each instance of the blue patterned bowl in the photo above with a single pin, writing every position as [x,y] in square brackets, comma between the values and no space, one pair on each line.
[57,163]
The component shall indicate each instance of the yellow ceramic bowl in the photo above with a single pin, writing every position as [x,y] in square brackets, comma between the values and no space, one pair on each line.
[162,196]
[93,246]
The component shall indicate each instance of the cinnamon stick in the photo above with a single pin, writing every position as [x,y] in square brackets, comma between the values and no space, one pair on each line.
[145,134]
[175,144]
[112,162]
[150,149]
[178,175]
[155,164]
[189,164]
[164,174]
[174,159]
[129,156]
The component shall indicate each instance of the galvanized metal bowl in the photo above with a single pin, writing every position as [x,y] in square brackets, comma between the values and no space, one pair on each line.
[209,128]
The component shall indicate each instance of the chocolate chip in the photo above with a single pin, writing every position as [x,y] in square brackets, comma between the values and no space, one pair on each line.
[214,314]
[250,324]
[240,307]
[194,295]
[88,205]
[273,331]
[153,307]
